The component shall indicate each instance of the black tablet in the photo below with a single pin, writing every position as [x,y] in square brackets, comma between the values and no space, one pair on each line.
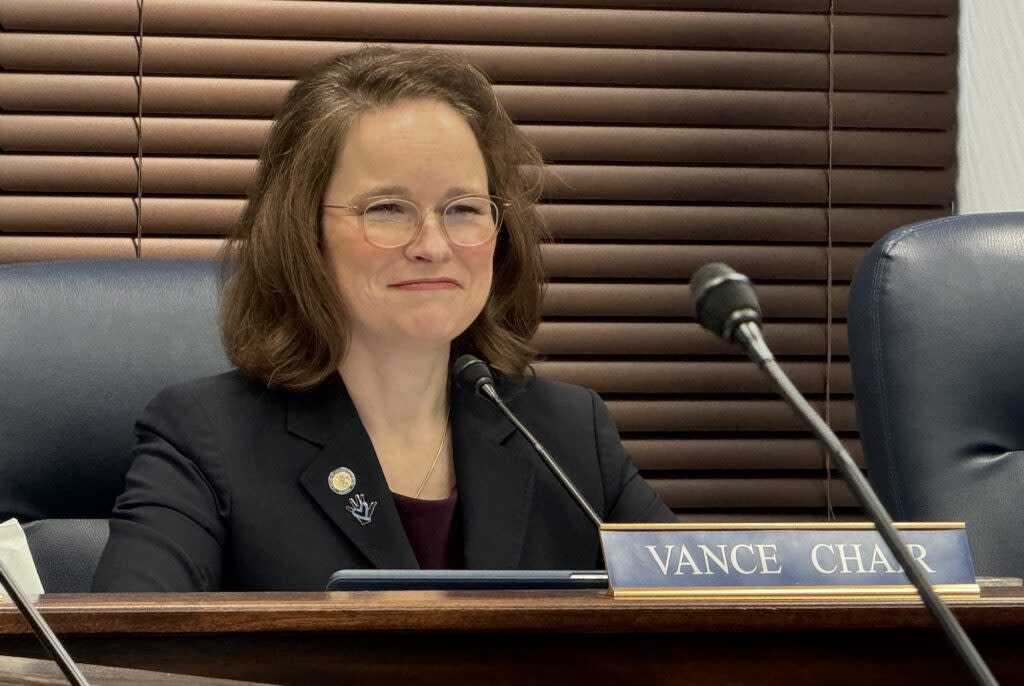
[450,579]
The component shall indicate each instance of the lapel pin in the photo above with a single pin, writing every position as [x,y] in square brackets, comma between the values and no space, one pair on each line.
[341,480]
[360,509]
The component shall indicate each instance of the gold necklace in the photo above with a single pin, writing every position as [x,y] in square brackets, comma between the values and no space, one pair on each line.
[444,439]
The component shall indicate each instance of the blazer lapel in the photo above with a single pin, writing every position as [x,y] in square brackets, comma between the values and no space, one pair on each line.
[495,474]
[326,416]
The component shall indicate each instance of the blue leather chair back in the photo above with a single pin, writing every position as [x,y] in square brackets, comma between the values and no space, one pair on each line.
[84,345]
[936,327]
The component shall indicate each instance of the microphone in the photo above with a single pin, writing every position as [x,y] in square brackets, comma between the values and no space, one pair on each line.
[725,304]
[724,299]
[472,374]
[41,629]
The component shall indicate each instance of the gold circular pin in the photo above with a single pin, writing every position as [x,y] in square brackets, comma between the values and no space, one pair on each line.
[342,480]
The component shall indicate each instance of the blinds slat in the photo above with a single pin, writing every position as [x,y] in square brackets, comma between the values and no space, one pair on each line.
[510,64]
[204,96]
[94,16]
[677,338]
[387,21]
[720,415]
[750,494]
[94,174]
[688,378]
[904,7]
[894,110]
[104,134]
[725,223]
[739,454]
[224,176]
[783,185]
[66,53]
[15,248]
[776,147]
[893,34]
[160,94]
[171,248]
[663,145]
[870,186]
[108,214]
[868,224]
[35,249]
[67,173]
[640,262]
[643,300]
[214,216]
[933,7]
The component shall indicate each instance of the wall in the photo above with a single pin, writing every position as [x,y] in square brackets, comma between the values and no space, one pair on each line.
[991,106]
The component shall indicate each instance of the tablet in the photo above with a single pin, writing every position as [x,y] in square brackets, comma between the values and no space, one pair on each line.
[452,579]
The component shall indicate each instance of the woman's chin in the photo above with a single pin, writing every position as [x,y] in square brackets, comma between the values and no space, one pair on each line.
[438,327]
[429,334]
[438,338]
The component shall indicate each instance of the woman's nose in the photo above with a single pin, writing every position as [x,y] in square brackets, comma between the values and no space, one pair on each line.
[430,243]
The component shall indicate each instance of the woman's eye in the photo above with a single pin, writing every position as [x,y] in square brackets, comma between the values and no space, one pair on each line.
[385,208]
[465,209]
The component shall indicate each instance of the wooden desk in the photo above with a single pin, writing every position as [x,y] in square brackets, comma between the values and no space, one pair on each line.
[493,638]
[23,671]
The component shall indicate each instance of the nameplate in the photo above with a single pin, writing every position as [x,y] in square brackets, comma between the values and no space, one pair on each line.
[780,560]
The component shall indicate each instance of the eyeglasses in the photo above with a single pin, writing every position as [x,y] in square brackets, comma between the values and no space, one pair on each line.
[467,221]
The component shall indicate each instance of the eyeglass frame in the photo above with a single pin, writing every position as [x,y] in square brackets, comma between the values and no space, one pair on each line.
[421,215]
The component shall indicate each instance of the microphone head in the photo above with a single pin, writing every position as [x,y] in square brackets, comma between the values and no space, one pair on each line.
[723,299]
[471,373]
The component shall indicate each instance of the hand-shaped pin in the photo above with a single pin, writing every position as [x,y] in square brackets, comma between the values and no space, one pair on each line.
[360,509]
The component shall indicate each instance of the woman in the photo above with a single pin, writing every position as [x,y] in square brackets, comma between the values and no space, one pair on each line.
[391,229]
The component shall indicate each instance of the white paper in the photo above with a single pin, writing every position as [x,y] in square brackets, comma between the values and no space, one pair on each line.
[17,558]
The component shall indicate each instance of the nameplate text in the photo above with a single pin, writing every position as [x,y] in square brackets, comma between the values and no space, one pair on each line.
[762,559]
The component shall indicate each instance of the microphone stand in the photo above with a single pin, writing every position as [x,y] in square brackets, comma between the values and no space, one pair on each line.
[472,374]
[749,334]
[486,388]
[42,630]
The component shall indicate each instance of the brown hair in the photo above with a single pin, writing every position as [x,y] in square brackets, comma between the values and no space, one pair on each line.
[281,316]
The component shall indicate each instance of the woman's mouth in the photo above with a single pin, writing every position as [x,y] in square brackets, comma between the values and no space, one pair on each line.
[426,284]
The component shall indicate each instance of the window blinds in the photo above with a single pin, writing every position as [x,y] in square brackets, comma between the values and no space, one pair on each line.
[781,136]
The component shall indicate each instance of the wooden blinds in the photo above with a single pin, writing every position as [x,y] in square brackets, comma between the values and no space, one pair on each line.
[677,131]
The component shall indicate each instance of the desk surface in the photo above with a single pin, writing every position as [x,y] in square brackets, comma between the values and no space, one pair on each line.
[504,637]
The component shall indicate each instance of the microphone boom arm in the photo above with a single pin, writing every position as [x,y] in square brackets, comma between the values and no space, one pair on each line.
[41,629]
[749,334]
[487,389]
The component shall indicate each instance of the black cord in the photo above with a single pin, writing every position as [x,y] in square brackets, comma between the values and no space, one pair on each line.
[829,131]
[137,238]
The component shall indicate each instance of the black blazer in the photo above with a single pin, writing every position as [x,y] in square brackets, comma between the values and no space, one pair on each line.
[228,489]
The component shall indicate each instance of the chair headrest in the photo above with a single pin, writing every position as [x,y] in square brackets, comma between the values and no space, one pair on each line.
[936,327]
[84,345]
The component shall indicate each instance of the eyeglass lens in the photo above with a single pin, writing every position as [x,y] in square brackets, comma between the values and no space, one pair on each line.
[393,222]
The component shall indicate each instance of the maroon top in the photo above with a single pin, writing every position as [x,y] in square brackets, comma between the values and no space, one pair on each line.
[433,529]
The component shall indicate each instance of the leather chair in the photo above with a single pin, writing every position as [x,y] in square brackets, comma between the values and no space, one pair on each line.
[84,345]
[936,329]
